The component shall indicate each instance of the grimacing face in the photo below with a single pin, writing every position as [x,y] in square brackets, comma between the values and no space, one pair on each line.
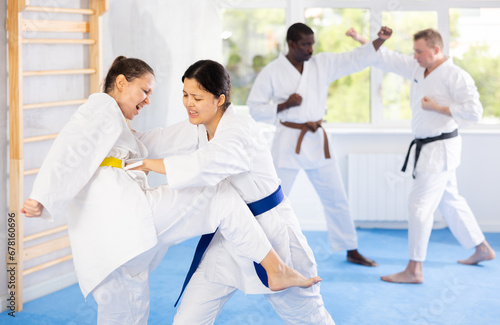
[132,96]
[201,105]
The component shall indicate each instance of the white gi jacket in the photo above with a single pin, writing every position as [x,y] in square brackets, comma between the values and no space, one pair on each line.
[109,217]
[449,86]
[279,79]
[237,152]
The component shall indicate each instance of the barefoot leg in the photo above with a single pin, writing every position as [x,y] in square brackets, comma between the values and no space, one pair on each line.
[353,256]
[483,252]
[281,276]
[412,274]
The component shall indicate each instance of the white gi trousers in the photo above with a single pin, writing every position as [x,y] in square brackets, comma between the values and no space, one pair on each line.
[203,300]
[439,190]
[328,184]
[123,297]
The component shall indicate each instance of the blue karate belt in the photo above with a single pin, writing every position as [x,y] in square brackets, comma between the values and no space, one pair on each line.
[257,208]
[420,142]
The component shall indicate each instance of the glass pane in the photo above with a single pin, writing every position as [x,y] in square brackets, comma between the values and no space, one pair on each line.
[475,47]
[396,89]
[349,97]
[251,39]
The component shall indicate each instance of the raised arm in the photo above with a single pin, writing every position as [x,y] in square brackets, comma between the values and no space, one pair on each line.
[383,35]
[391,61]
[352,33]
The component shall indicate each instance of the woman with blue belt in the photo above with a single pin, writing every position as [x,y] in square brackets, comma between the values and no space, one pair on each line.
[218,143]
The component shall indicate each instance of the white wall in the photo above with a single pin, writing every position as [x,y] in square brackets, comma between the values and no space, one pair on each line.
[170,35]
[478,176]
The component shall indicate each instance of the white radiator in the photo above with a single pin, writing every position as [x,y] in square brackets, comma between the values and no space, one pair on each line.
[377,189]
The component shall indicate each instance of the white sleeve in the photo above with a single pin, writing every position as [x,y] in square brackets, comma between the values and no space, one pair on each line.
[74,157]
[466,109]
[260,100]
[339,65]
[391,61]
[225,155]
[180,138]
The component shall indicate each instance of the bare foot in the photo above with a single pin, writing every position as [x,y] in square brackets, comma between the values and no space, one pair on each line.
[287,277]
[412,274]
[355,257]
[280,276]
[483,253]
[403,277]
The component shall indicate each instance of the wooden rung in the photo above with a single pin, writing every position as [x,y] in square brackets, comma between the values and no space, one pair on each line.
[58,72]
[46,248]
[47,265]
[31,171]
[40,138]
[60,10]
[45,233]
[58,41]
[33,25]
[55,104]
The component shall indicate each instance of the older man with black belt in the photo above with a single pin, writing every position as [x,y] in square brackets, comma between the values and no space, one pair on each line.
[443,97]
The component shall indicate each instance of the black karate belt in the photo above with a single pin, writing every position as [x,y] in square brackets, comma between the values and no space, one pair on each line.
[420,142]
[257,207]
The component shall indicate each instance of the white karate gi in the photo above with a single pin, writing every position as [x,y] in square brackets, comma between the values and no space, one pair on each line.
[274,84]
[241,154]
[119,227]
[435,184]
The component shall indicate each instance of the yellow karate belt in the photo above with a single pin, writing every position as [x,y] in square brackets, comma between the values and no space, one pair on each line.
[112,162]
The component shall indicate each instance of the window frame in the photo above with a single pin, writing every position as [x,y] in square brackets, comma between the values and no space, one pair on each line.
[295,13]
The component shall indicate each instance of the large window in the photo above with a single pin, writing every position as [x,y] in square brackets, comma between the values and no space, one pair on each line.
[396,89]
[349,97]
[475,47]
[251,39]
[254,34]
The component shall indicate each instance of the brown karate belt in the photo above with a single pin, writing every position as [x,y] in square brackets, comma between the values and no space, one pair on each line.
[304,128]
